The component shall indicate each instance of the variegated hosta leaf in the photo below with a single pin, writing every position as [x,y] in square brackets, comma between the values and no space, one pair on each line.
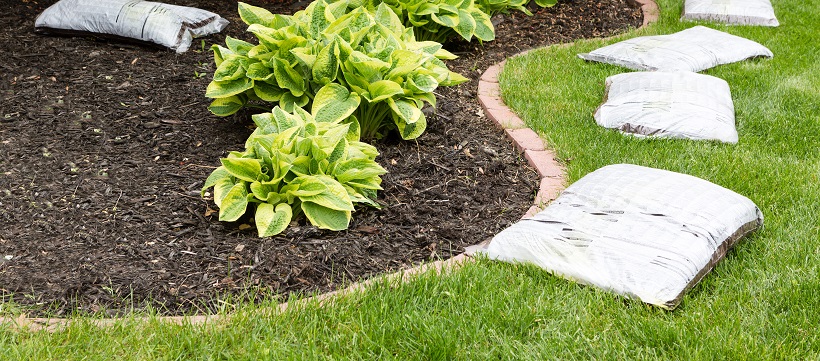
[335,10]
[220,53]
[269,37]
[221,189]
[224,107]
[546,3]
[326,218]
[290,103]
[305,56]
[259,71]
[276,121]
[281,21]
[421,83]
[359,196]
[324,144]
[334,103]
[429,98]
[354,132]
[411,130]
[265,124]
[255,15]
[307,186]
[263,190]
[383,90]
[484,29]
[369,68]
[453,78]
[326,66]
[334,197]
[234,204]
[243,168]
[237,46]
[373,184]
[449,20]
[217,175]
[426,8]
[387,17]
[272,220]
[353,21]
[224,89]
[318,20]
[338,153]
[267,91]
[353,169]
[405,62]
[466,25]
[288,78]
[432,48]
[405,110]
[368,150]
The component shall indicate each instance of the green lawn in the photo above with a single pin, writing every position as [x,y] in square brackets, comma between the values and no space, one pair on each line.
[762,302]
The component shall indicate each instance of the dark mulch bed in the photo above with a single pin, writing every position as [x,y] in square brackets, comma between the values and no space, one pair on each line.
[104,146]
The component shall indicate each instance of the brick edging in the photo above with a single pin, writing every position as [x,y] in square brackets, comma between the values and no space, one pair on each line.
[529,143]
[651,11]
[552,173]
[538,155]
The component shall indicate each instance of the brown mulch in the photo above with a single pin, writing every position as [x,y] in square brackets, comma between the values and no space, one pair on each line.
[105,145]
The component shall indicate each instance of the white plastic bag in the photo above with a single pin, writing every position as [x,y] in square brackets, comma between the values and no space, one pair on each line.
[694,49]
[735,12]
[669,105]
[168,25]
[641,232]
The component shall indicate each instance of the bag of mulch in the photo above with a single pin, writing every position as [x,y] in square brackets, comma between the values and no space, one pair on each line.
[669,105]
[640,232]
[694,49]
[168,25]
[735,12]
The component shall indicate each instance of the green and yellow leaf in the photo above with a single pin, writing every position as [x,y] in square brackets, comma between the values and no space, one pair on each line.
[234,203]
[272,220]
[244,168]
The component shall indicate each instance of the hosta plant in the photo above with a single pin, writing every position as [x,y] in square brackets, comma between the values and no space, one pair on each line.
[494,7]
[370,54]
[299,163]
[441,20]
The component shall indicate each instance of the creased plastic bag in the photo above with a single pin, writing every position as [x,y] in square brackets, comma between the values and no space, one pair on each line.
[733,12]
[694,49]
[669,105]
[168,25]
[641,232]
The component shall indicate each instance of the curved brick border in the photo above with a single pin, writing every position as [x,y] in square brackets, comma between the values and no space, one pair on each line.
[651,11]
[552,173]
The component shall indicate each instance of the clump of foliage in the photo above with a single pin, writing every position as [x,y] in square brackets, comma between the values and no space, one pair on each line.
[494,7]
[441,20]
[369,53]
[300,163]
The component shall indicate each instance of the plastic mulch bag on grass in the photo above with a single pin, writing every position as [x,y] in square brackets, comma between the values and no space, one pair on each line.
[694,49]
[168,25]
[669,105]
[641,232]
[734,12]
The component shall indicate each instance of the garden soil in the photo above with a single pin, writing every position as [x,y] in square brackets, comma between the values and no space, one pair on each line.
[105,145]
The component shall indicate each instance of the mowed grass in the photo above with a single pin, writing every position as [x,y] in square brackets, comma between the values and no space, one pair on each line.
[761,303]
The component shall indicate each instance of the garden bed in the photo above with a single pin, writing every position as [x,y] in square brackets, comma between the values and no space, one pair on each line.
[105,146]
